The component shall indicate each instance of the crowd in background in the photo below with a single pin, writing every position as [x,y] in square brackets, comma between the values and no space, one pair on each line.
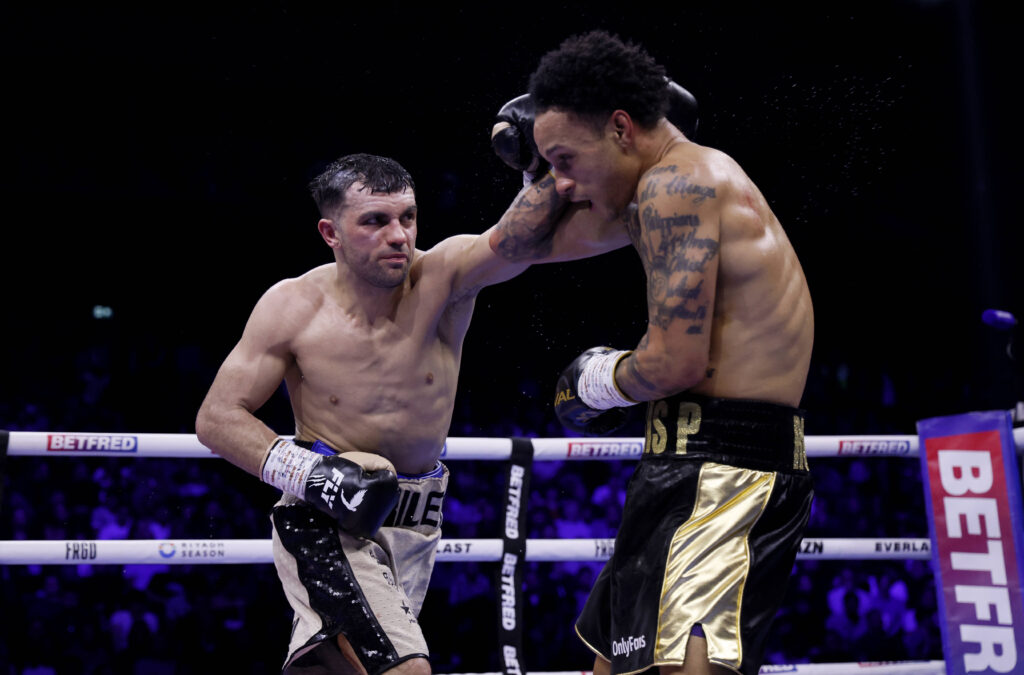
[158,619]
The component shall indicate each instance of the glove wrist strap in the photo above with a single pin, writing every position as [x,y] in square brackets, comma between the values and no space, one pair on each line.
[596,386]
[287,466]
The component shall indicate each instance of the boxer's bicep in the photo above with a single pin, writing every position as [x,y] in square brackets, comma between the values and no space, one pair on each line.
[678,239]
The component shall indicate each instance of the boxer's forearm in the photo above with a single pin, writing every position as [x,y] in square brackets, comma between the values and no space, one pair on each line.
[235,434]
[525,231]
[650,373]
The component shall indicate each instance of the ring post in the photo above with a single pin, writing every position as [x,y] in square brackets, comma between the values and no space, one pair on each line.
[510,572]
[4,437]
[973,500]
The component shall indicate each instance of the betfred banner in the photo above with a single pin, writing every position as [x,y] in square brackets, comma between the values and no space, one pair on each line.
[973,496]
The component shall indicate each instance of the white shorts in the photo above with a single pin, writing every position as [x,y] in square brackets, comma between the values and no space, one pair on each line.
[369,590]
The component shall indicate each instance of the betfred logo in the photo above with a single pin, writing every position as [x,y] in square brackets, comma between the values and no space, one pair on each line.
[605,449]
[91,443]
[869,446]
[973,488]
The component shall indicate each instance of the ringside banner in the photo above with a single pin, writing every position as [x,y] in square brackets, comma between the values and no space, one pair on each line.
[973,499]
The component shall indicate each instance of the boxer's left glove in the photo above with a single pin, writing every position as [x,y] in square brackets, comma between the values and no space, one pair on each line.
[682,109]
[587,400]
[358,489]
[512,139]
[512,134]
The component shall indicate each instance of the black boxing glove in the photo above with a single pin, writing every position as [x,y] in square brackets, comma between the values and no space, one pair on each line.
[512,134]
[358,489]
[682,109]
[512,139]
[587,400]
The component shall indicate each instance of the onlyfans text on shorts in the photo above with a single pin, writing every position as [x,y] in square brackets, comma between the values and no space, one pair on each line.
[626,645]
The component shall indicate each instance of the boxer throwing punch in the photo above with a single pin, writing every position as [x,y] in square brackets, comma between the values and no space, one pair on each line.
[717,505]
[369,348]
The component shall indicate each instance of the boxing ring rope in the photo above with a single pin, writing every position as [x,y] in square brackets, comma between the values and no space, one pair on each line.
[886,667]
[243,551]
[68,444]
[235,551]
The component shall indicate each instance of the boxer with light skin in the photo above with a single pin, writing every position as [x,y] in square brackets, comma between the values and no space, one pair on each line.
[719,501]
[369,348]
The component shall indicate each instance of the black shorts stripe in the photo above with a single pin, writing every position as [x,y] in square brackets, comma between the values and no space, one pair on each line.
[324,571]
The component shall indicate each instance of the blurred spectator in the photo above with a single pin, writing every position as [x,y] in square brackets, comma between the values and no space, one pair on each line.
[144,618]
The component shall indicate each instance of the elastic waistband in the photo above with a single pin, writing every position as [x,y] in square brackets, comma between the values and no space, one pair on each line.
[317,446]
[749,433]
[322,448]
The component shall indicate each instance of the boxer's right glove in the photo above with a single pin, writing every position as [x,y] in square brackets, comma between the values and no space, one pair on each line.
[512,139]
[359,497]
[587,400]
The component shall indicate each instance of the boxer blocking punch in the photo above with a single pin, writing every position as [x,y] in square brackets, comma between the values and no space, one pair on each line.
[718,503]
[512,133]
[368,347]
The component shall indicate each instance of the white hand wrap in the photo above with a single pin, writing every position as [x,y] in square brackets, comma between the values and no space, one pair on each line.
[287,466]
[596,386]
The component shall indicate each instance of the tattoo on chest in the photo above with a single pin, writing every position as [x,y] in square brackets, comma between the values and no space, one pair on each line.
[632,219]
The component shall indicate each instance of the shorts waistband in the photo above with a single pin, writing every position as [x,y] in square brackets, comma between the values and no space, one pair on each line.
[322,448]
[749,433]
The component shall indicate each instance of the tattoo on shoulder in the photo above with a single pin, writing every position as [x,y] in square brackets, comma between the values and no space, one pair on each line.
[666,180]
[681,185]
[631,220]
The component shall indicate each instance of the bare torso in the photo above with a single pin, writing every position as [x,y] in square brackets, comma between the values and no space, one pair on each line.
[762,326]
[386,387]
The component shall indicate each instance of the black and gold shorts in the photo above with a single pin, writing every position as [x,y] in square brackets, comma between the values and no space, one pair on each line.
[713,519]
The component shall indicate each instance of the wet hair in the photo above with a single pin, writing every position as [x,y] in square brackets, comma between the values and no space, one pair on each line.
[379,174]
[595,73]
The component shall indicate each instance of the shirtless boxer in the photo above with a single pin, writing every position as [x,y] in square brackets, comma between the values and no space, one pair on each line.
[717,505]
[369,348]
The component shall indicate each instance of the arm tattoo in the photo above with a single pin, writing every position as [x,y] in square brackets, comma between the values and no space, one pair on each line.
[527,227]
[672,253]
[633,370]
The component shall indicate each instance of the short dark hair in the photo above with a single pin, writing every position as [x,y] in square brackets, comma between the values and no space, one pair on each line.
[595,73]
[380,174]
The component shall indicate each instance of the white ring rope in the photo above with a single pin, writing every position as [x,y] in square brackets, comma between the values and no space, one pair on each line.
[70,444]
[234,551]
[242,551]
[887,667]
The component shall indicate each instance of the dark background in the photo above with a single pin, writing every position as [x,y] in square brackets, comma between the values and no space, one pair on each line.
[157,159]
[157,163]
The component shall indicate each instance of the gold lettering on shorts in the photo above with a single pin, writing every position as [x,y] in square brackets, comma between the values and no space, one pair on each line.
[799,449]
[687,424]
[656,432]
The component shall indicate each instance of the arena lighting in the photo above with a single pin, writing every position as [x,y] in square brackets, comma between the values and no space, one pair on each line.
[101,312]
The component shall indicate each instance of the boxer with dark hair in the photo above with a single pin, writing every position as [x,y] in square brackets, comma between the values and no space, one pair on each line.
[718,503]
[369,348]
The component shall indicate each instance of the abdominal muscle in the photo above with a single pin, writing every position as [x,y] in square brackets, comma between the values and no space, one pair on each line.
[403,418]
